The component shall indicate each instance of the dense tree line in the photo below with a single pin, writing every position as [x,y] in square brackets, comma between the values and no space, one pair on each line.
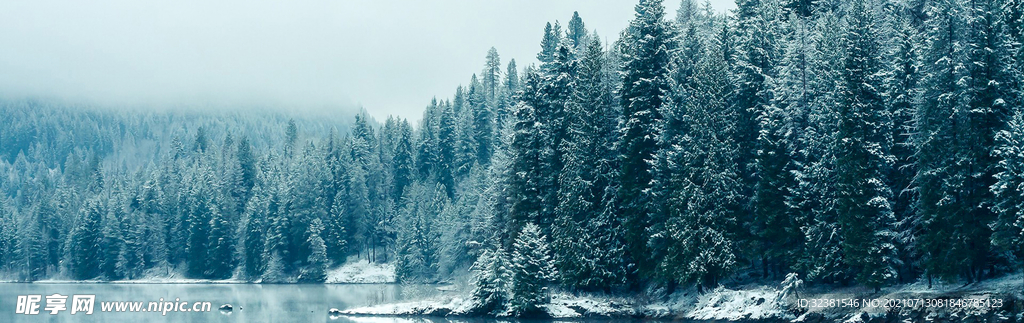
[866,142]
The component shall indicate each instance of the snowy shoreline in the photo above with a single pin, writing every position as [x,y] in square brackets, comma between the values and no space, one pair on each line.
[362,272]
[749,303]
[722,304]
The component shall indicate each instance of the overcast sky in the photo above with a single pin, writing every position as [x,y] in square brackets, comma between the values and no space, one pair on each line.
[388,56]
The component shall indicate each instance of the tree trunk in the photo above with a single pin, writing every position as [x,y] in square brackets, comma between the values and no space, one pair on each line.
[764,267]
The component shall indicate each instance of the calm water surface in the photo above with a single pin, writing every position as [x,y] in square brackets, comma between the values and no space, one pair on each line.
[252,302]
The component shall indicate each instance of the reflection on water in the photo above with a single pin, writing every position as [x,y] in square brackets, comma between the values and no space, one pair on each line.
[441,320]
[249,302]
[367,319]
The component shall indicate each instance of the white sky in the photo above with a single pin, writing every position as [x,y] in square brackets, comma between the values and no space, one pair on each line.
[389,56]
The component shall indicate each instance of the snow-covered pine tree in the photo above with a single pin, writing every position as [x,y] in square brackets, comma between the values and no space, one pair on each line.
[427,145]
[526,152]
[467,144]
[275,271]
[251,233]
[291,140]
[276,219]
[110,242]
[197,210]
[962,106]
[33,246]
[365,180]
[489,217]
[308,183]
[995,96]
[505,101]
[759,55]
[455,222]
[247,165]
[801,8]
[416,254]
[491,74]
[597,78]
[149,206]
[646,47]
[402,161]
[688,9]
[1011,38]
[863,158]
[548,45]
[576,33]
[1008,229]
[67,204]
[175,185]
[316,265]
[793,93]
[756,54]
[532,270]
[554,95]
[491,278]
[275,224]
[901,68]
[934,136]
[584,256]
[220,260]
[812,199]
[448,148]
[132,259]
[357,205]
[8,236]
[229,179]
[696,169]
[483,102]
[84,240]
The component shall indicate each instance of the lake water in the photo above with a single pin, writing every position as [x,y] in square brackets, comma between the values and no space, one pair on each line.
[251,302]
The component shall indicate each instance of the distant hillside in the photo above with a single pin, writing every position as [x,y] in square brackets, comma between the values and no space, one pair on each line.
[128,137]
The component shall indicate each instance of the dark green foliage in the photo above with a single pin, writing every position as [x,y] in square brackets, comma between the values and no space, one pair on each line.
[526,151]
[84,244]
[696,171]
[531,270]
[863,158]
[1008,229]
[960,112]
[316,268]
[220,258]
[491,279]
[646,48]
[586,247]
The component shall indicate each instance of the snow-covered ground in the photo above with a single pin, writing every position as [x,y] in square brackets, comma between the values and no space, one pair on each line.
[441,306]
[721,304]
[1008,286]
[361,271]
[753,302]
[726,304]
[570,306]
